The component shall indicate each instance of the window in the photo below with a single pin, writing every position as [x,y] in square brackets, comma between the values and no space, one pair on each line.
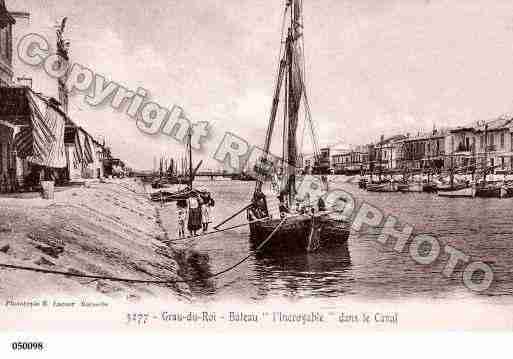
[1,157]
[481,142]
[491,139]
[502,140]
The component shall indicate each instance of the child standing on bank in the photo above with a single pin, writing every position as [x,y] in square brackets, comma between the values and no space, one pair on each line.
[181,214]
[205,216]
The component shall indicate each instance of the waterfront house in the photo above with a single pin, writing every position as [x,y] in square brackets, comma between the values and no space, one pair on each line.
[495,143]
[32,138]
[341,161]
[414,151]
[351,161]
[462,148]
[388,152]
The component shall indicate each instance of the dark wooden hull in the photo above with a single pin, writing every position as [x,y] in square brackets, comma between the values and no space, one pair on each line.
[294,235]
[382,187]
[410,187]
[494,192]
[455,187]
[429,187]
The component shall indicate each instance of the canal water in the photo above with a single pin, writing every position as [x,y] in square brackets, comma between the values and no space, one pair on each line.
[365,268]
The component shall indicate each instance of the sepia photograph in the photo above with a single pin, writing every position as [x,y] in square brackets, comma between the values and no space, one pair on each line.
[290,166]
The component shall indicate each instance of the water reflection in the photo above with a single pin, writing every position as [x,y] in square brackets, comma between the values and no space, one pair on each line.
[482,229]
[325,273]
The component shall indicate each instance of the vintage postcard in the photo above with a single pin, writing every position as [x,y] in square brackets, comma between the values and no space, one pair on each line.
[279,166]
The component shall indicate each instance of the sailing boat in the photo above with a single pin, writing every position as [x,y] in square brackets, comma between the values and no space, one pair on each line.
[295,226]
[189,191]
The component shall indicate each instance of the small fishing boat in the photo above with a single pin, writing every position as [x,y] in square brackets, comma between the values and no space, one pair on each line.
[382,187]
[494,190]
[410,186]
[183,194]
[167,196]
[456,186]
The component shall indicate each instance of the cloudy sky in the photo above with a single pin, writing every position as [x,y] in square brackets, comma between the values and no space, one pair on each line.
[373,66]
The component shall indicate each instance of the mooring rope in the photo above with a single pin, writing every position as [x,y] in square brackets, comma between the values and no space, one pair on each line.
[193,238]
[129,280]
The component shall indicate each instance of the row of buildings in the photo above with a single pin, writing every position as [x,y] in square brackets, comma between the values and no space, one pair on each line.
[38,139]
[485,144]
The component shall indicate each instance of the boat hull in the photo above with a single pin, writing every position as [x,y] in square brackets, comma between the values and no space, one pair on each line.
[164,196]
[294,235]
[454,187]
[382,187]
[494,192]
[429,187]
[409,187]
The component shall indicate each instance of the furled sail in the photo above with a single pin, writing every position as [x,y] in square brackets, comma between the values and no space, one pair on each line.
[295,81]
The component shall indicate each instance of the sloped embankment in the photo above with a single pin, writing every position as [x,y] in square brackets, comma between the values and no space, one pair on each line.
[108,229]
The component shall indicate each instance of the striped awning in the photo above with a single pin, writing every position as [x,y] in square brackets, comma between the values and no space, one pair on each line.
[85,145]
[41,136]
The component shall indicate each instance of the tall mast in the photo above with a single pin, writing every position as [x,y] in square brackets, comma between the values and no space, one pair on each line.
[289,67]
[295,91]
[189,137]
[274,109]
[486,153]
[452,162]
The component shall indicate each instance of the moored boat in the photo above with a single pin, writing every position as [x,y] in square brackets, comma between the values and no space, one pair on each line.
[494,190]
[456,186]
[382,187]
[299,226]
[410,187]
[301,233]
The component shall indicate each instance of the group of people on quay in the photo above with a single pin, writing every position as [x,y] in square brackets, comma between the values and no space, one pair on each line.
[194,213]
